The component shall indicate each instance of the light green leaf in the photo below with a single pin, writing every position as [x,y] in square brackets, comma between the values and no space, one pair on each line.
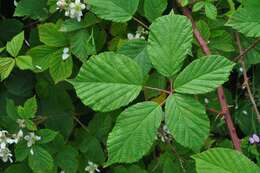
[41,56]
[223,160]
[34,9]
[134,132]
[198,6]
[203,75]
[187,120]
[6,67]
[24,62]
[41,161]
[154,8]
[46,135]
[51,36]
[108,81]
[247,20]
[137,49]
[115,10]
[14,46]
[60,69]
[167,51]
[211,11]
[29,109]
[82,44]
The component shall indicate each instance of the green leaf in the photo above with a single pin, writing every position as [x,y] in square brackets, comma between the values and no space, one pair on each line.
[115,10]
[82,44]
[247,20]
[51,36]
[137,49]
[223,160]
[134,133]
[203,75]
[21,151]
[10,28]
[6,67]
[18,168]
[108,81]
[187,120]
[154,8]
[34,9]
[60,69]
[14,46]
[30,125]
[198,6]
[41,161]
[41,56]
[167,51]
[24,62]
[211,11]
[29,109]
[67,159]
[46,135]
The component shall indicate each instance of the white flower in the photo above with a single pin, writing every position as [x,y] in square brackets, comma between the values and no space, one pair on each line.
[31,139]
[65,54]
[75,10]
[4,140]
[61,4]
[17,137]
[38,67]
[92,167]
[139,34]
[244,112]
[206,100]
[15,3]
[130,36]
[62,171]
[6,155]
[241,69]
[21,123]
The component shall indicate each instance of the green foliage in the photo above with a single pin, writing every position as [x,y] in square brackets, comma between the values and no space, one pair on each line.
[124,86]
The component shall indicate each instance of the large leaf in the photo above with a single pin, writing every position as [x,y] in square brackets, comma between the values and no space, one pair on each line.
[187,120]
[154,8]
[223,160]
[247,19]
[108,81]
[134,132]
[203,75]
[67,159]
[169,42]
[6,66]
[51,36]
[14,46]
[115,10]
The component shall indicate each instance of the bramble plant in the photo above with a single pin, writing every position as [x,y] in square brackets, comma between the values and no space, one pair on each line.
[129,86]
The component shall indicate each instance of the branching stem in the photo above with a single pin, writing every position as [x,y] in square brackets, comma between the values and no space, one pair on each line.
[157,89]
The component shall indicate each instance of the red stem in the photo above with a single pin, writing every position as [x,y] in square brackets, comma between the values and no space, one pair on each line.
[220,90]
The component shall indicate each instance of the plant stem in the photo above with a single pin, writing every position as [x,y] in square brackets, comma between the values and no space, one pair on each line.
[157,89]
[246,84]
[220,90]
[244,52]
[141,23]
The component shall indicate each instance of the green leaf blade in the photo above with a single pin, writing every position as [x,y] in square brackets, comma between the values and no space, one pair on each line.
[6,67]
[203,75]
[14,46]
[167,51]
[108,81]
[187,121]
[134,132]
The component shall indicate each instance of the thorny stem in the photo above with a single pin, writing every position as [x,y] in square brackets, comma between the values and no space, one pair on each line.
[246,84]
[220,90]
[141,23]
[157,89]
[80,123]
[244,52]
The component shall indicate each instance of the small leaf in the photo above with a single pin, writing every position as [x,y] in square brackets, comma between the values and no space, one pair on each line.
[29,110]
[6,67]
[46,135]
[211,11]
[24,62]
[167,51]
[41,161]
[198,6]
[134,133]
[203,75]
[14,46]
[187,121]
[154,8]
[224,160]
[108,81]
[51,36]
[115,10]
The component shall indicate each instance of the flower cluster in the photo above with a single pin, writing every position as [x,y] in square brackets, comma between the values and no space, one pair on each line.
[92,167]
[254,139]
[164,134]
[139,34]
[73,9]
